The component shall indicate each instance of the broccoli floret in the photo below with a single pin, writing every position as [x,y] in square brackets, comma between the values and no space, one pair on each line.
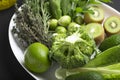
[74,50]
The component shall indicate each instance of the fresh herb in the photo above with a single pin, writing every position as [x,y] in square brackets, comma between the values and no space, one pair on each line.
[55,8]
[76,7]
[31,23]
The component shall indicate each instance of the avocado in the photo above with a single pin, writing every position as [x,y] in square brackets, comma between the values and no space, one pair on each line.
[96,16]
[112,25]
[89,75]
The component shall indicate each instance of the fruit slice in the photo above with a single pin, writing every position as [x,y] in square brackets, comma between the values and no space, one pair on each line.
[112,25]
[96,30]
[109,42]
[96,16]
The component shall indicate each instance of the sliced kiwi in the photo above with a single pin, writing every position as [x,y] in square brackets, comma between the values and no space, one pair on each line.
[96,30]
[112,25]
[96,16]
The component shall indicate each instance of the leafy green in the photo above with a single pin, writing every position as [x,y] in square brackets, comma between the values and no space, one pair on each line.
[75,7]
[88,75]
[65,6]
[55,7]
[108,57]
[110,72]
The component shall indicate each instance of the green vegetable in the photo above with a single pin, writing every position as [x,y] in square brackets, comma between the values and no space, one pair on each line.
[107,64]
[55,7]
[53,23]
[64,20]
[108,57]
[36,58]
[65,6]
[31,24]
[73,27]
[109,42]
[88,75]
[74,50]
[110,72]
[79,20]
[61,29]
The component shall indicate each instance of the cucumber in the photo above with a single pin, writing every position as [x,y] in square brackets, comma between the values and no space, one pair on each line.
[109,42]
[89,75]
[108,57]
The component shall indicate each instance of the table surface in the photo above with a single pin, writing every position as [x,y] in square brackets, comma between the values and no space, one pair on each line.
[10,69]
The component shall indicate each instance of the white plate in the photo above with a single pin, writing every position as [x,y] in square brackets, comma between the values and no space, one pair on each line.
[49,75]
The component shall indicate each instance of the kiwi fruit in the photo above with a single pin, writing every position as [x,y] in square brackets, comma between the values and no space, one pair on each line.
[112,25]
[96,30]
[96,16]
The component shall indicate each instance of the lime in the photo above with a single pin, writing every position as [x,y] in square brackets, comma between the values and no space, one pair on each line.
[36,58]
[109,42]
[5,4]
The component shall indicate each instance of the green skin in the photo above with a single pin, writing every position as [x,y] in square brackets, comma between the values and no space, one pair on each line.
[36,58]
